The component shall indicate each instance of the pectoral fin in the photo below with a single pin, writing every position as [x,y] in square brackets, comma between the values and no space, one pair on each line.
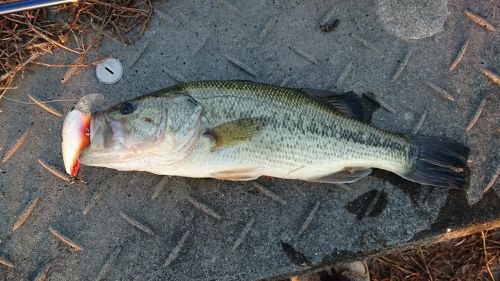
[347,175]
[232,132]
[237,174]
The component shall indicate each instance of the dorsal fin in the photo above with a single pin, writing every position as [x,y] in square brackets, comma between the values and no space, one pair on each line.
[350,104]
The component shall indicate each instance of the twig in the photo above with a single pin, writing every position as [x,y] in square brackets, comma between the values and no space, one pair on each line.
[492,76]
[25,215]
[269,193]
[492,181]
[460,56]
[440,91]
[108,263]
[16,146]
[6,263]
[309,218]
[479,21]
[66,240]
[54,171]
[204,208]
[48,39]
[19,67]
[402,66]
[175,252]
[45,107]
[43,274]
[137,224]
[473,122]
[486,256]
[243,234]
[419,123]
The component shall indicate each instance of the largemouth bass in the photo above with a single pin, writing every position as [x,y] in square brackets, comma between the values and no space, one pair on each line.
[241,130]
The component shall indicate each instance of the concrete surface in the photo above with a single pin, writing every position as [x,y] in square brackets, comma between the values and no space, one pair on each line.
[215,230]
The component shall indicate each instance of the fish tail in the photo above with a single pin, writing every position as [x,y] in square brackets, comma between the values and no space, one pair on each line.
[437,162]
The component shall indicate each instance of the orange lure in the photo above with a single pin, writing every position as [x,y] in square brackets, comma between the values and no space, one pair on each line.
[76,132]
[75,137]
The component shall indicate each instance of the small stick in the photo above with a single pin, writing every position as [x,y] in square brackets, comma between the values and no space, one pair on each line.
[175,76]
[203,43]
[285,81]
[25,215]
[19,67]
[108,263]
[372,204]
[135,223]
[16,146]
[140,53]
[67,65]
[473,122]
[45,107]
[243,234]
[384,105]
[269,25]
[402,66]
[48,39]
[95,198]
[305,55]
[43,274]
[54,171]
[492,181]
[492,76]
[440,91]
[231,7]
[66,240]
[6,263]
[175,252]
[204,208]
[486,256]
[479,21]
[460,55]
[240,65]
[269,193]
[160,187]
[363,42]
[344,74]
[309,218]
[78,61]
[419,123]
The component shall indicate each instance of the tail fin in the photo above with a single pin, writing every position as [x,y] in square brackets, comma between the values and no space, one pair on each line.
[437,162]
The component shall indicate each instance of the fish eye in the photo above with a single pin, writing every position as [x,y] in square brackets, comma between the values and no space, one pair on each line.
[127,108]
[87,131]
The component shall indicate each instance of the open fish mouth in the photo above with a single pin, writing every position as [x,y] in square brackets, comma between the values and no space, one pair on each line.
[106,133]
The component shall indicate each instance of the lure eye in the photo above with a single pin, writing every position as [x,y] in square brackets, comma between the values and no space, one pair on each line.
[127,108]
[87,131]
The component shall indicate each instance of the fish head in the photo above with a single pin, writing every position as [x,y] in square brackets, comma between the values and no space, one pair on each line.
[124,135]
[131,125]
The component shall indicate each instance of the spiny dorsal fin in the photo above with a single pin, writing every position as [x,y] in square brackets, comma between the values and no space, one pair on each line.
[234,131]
[350,104]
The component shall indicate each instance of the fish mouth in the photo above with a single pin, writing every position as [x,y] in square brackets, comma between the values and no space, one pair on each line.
[106,133]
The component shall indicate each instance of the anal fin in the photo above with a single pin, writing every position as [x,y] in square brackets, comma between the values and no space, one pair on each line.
[347,175]
[244,174]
